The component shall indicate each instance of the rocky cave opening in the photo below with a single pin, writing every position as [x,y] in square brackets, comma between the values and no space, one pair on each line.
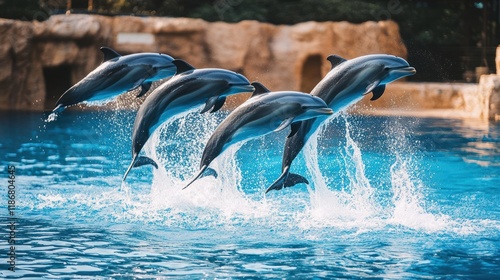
[57,81]
[311,72]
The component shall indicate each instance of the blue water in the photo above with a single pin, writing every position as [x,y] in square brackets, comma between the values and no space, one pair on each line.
[389,198]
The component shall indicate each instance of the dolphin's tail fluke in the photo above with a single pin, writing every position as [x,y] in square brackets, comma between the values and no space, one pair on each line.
[204,171]
[142,160]
[139,161]
[287,180]
[58,109]
[209,172]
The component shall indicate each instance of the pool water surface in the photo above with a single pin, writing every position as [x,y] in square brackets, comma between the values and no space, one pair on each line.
[389,197]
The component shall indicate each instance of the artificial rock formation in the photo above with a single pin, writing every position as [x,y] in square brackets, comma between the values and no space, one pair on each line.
[489,95]
[63,49]
[442,100]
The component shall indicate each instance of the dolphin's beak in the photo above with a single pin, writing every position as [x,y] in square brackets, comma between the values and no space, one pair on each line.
[244,88]
[405,71]
[322,111]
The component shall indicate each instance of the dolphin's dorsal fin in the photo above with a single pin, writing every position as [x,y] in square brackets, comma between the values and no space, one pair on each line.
[377,92]
[335,60]
[259,89]
[371,87]
[182,66]
[109,53]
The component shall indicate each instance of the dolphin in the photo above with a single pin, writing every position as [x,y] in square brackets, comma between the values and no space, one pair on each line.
[116,75]
[188,89]
[262,114]
[345,84]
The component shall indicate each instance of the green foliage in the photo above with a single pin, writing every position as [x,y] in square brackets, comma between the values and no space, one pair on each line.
[21,9]
[280,11]
[435,22]
[432,23]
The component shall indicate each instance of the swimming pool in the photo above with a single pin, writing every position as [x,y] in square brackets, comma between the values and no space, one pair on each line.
[390,197]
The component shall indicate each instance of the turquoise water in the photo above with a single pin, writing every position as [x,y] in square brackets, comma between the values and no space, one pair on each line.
[390,198]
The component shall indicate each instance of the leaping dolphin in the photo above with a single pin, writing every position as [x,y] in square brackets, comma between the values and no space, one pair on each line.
[262,114]
[187,90]
[346,83]
[116,75]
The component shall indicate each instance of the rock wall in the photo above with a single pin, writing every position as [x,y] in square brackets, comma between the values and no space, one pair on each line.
[444,100]
[489,94]
[63,49]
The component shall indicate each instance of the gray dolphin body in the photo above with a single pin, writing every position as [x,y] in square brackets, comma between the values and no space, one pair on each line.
[116,75]
[187,90]
[346,83]
[262,114]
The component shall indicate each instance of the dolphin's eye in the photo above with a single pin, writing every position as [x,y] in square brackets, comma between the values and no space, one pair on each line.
[304,107]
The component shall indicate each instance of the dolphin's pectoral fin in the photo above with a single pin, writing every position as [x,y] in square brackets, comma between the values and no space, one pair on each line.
[182,66]
[218,104]
[335,60]
[294,128]
[109,53]
[197,176]
[209,104]
[143,160]
[136,85]
[377,92]
[258,89]
[371,87]
[284,124]
[144,88]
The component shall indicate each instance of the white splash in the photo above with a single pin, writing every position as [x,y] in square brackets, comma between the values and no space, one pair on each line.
[346,200]
[52,117]
[208,198]
[409,201]
[351,206]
